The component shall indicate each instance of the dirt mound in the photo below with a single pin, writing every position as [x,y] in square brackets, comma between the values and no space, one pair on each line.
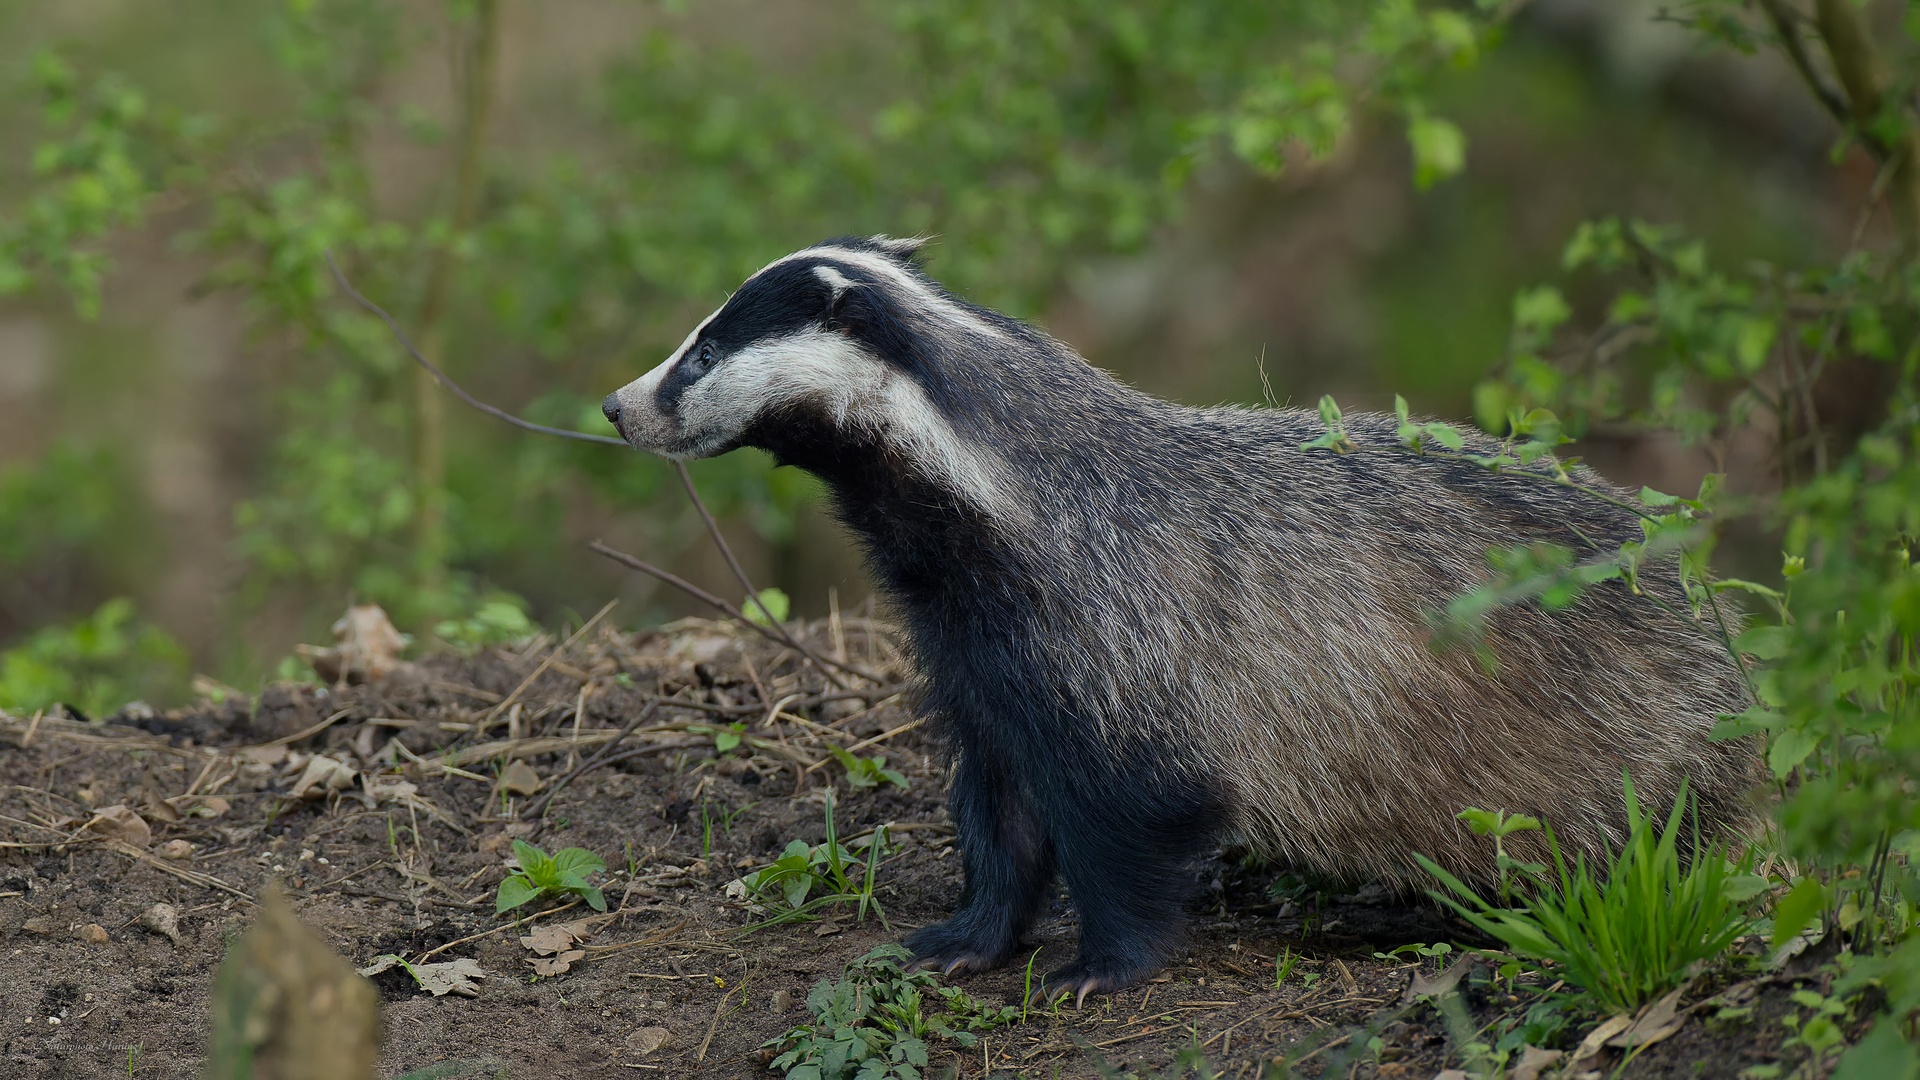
[686,758]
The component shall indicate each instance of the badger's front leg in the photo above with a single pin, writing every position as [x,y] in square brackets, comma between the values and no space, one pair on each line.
[1009,867]
[1124,847]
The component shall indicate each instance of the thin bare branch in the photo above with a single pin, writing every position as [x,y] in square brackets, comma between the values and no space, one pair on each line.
[777,637]
[501,414]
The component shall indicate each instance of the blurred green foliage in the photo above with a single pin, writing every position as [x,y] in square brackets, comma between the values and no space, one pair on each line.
[1027,135]
[95,664]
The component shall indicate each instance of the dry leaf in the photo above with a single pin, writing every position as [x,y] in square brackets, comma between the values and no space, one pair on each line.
[1656,1022]
[263,755]
[160,810]
[1422,985]
[451,977]
[366,648]
[521,779]
[322,777]
[1534,1061]
[551,939]
[163,919]
[121,823]
[557,965]
[1598,1037]
[648,1039]
[202,806]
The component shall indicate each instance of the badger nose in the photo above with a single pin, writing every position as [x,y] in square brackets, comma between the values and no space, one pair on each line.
[610,408]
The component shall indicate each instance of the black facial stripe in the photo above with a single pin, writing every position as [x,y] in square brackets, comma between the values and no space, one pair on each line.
[783,300]
[684,374]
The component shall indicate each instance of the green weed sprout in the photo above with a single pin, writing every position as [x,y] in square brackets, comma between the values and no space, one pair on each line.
[868,772]
[1283,966]
[830,867]
[542,875]
[1633,937]
[1499,824]
[876,1021]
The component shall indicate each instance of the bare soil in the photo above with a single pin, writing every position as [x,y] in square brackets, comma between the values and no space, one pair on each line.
[90,991]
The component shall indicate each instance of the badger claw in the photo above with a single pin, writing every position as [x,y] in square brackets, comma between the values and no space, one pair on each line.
[949,965]
[1077,982]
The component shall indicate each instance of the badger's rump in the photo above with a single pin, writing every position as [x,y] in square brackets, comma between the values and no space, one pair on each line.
[1262,614]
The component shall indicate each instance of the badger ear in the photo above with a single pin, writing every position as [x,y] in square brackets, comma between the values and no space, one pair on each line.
[838,286]
[900,249]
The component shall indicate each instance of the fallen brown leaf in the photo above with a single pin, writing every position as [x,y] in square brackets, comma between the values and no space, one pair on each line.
[122,824]
[322,777]
[448,977]
[521,779]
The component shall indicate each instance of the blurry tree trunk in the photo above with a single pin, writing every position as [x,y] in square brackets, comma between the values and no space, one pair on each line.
[476,71]
[1859,102]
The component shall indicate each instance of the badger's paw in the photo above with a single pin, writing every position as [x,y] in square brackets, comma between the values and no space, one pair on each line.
[1083,978]
[954,949]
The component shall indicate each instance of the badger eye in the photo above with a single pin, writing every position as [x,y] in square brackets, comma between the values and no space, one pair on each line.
[702,361]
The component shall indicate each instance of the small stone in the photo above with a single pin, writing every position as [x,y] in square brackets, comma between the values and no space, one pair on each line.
[93,934]
[648,1039]
[39,924]
[176,850]
[163,919]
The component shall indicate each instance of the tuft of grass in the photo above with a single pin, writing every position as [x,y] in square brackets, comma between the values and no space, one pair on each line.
[1633,936]
[830,868]
[875,1022]
[564,873]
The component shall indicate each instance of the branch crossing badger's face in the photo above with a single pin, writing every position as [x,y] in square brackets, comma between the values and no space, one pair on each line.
[815,346]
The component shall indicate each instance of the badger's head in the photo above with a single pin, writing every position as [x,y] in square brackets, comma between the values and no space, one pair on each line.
[830,345]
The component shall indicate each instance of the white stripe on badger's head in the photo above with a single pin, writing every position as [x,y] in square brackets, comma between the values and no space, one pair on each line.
[785,349]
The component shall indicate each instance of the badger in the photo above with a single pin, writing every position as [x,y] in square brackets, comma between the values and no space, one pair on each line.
[1143,627]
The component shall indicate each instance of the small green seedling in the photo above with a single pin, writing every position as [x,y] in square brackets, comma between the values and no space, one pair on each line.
[1283,966]
[868,772]
[1499,825]
[803,869]
[542,875]
[1418,950]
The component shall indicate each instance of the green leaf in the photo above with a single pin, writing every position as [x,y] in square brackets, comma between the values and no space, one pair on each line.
[514,891]
[1789,748]
[1439,148]
[1446,435]
[1765,642]
[774,602]
[1881,1055]
[594,898]
[577,860]
[1798,908]
[534,863]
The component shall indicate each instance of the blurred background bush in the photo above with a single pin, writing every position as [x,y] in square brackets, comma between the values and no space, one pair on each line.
[1216,199]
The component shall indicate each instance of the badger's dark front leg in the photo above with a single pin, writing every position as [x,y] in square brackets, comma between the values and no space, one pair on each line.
[1009,867]
[1124,852]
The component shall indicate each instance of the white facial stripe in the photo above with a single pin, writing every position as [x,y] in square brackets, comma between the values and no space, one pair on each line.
[857,390]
